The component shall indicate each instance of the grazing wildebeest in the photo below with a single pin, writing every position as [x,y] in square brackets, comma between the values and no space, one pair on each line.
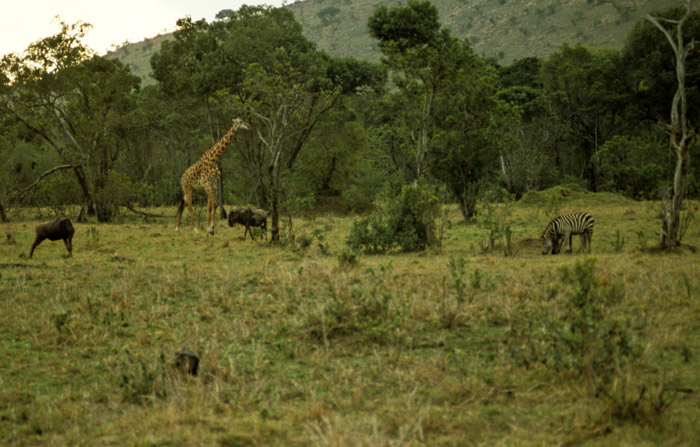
[248,218]
[61,228]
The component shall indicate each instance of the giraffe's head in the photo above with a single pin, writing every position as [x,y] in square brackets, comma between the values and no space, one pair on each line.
[239,124]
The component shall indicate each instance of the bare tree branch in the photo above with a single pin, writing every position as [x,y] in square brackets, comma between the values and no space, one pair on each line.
[24,190]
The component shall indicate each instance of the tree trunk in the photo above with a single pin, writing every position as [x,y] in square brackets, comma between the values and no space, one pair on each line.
[273,173]
[677,130]
[467,201]
[82,181]
[672,216]
[422,143]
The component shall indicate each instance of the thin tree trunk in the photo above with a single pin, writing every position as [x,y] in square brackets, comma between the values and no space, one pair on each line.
[672,216]
[273,172]
[677,130]
[82,181]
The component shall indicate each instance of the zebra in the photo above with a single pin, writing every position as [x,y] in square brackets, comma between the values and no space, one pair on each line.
[563,228]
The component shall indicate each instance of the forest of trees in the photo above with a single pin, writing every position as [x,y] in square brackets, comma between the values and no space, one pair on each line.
[432,111]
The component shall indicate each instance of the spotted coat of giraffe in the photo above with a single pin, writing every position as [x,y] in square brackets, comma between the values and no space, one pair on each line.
[204,175]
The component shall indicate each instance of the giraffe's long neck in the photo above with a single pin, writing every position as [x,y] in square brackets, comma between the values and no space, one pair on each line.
[214,153]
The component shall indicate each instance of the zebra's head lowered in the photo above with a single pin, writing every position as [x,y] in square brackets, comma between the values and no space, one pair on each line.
[551,240]
[550,244]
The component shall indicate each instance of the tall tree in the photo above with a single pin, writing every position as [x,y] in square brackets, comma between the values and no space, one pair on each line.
[589,99]
[258,61]
[678,130]
[412,45]
[449,96]
[287,105]
[77,103]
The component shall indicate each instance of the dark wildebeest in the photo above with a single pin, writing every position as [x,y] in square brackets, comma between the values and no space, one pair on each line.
[248,218]
[61,228]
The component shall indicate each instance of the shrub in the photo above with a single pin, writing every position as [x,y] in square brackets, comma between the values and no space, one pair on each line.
[407,222]
[496,216]
[371,234]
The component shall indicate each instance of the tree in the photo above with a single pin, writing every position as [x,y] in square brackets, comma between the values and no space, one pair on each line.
[589,100]
[412,44]
[650,70]
[470,135]
[77,103]
[678,130]
[449,109]
[286,111]
[257,61]
[209,62]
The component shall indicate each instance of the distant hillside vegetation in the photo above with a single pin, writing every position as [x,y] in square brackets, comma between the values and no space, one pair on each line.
[503,29]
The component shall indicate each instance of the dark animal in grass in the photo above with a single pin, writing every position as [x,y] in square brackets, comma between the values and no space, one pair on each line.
[248,218]
[61,228]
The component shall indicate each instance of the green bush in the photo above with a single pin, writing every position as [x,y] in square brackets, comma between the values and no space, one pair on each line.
[371,234]
[58,192]
[496,217]
[407,222]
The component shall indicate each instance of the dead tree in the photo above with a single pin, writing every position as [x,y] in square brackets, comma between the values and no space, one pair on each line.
[678,130]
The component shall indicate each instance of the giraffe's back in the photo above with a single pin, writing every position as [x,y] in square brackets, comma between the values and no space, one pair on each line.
[200,175]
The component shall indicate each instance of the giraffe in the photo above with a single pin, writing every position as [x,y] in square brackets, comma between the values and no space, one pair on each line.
[203,175]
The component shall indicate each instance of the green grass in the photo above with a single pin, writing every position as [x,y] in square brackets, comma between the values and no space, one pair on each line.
[299,348]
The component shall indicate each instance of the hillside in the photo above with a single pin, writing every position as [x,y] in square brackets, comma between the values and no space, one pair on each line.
[504,29]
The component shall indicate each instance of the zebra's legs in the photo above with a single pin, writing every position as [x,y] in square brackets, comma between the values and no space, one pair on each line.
[567,238]
[586,237]
[589,236]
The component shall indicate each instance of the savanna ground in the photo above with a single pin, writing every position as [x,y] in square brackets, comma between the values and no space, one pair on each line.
[305,345]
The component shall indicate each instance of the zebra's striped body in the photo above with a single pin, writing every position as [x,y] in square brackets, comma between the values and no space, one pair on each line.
[563,228]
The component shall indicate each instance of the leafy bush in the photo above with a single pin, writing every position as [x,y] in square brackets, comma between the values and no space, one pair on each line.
[57,192]
[328,15]
[496,217]
[407,222]
[366,178]
[463,290]
[371,234]
[369,310]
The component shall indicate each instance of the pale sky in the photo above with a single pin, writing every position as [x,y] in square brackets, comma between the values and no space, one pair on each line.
[113,22]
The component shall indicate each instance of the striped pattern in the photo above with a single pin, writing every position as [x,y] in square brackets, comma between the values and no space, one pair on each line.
[561,230]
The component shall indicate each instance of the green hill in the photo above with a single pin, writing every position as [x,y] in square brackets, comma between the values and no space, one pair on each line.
[504,29]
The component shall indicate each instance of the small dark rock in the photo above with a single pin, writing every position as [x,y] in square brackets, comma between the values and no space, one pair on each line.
[186,361]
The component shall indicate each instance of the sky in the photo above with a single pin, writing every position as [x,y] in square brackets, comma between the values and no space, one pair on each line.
[113,22]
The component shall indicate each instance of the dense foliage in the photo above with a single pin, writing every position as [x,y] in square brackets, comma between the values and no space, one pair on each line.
[432,110]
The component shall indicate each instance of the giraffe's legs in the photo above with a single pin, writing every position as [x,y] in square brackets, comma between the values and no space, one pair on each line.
[212,204]
[186,202]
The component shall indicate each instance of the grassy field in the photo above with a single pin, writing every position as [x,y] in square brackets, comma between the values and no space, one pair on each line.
[304,345]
